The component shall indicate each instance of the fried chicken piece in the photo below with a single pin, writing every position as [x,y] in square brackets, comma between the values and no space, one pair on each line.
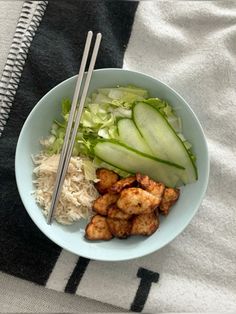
[107,179]
[155,188]
[145,224]
[102,203]
[170,196]
[119,228]
[115,213]
[122,184]
[137,201]
[98,229]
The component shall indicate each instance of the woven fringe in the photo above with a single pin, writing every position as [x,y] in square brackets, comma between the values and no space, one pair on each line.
[30,18]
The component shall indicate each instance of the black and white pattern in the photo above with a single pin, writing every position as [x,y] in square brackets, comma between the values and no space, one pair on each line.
[125,284]
[190,47]
[30,18]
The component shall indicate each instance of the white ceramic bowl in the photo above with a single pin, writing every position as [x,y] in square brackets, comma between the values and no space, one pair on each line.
[72,238]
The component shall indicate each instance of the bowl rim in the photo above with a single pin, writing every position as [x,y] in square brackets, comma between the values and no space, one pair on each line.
[147,251]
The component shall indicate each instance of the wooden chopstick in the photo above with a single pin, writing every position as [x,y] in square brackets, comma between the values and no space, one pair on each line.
[74,120]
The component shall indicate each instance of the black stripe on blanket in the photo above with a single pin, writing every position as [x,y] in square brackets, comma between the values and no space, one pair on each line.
[54,55]
[147,277]
[77,275]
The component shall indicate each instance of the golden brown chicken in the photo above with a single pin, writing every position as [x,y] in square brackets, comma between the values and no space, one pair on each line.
[145,224]
[137,201]
[122,184]
[119,228]
[107,179]
[98,229]
[115,212]
[129,206]
[170,196]
[102,203]
[155,188]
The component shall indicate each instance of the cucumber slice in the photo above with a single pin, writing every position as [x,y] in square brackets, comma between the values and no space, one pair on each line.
[131,160]
[129,135]
[163,140]
[98,163]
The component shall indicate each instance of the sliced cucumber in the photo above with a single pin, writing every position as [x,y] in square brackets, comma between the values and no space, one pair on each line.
[131,160]
[98,163]
[129,135]
[163,140]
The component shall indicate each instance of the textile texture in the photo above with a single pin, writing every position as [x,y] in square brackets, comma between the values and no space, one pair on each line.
[191,47]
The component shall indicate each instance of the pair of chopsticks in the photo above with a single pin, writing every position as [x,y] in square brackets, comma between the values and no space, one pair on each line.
[74,119]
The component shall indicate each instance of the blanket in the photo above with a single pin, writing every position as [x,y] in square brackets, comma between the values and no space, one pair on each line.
[190,46]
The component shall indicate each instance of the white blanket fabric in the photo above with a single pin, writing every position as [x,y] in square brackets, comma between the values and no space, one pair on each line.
[190,46]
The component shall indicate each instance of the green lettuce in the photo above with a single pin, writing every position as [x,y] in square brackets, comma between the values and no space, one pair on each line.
[102,110]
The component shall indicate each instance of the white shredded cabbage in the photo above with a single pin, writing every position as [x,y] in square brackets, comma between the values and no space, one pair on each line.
[77,194]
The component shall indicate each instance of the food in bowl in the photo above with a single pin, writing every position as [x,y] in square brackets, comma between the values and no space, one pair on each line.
[128,206]
[124,130]
[71,238]
[78,192]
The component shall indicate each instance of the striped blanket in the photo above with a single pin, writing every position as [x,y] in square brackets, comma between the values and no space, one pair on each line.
[190,46]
